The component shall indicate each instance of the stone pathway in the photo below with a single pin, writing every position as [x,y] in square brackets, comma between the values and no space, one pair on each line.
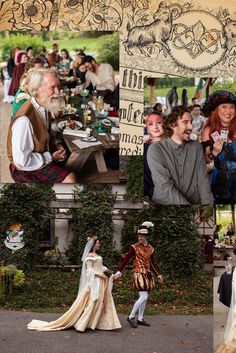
[168,334]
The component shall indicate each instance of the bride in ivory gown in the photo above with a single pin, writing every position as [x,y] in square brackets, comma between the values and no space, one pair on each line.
[94,307]
[230,330]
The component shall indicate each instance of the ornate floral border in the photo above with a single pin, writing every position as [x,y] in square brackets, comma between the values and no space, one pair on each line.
[20,15]
[92,15]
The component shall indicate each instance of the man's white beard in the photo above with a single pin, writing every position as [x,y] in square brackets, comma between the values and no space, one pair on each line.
[53,105]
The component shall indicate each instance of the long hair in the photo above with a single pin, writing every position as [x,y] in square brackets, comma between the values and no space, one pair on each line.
[93,244]
[67,53]
[213,122]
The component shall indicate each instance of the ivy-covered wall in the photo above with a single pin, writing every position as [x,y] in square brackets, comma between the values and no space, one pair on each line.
[93,218]
[175,237]
[135,174]
[27,205]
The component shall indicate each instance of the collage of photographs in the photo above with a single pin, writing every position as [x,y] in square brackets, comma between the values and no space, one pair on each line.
[117,176]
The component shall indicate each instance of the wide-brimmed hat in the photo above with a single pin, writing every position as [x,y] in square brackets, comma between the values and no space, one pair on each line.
[216,98]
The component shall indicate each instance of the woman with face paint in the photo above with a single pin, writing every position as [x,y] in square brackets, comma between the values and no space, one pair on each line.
[154,126]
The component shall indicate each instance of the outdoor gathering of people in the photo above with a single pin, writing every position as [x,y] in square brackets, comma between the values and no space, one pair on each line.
[64,114]
[190,153]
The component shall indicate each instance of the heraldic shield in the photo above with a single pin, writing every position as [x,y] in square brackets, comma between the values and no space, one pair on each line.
[14,239]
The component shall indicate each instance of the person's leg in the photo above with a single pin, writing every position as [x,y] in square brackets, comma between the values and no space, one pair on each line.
[70,179]
[143,295]
[140,320]
[142,308]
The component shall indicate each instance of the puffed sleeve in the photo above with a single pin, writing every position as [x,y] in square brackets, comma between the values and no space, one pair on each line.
[130,255]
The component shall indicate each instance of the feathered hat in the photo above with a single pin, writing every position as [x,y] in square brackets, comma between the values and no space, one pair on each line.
[143,228]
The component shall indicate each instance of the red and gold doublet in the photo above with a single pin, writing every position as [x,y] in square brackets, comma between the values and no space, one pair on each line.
[144,266]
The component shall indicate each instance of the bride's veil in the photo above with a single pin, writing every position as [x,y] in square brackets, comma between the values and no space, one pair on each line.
[83,278]
[230,331]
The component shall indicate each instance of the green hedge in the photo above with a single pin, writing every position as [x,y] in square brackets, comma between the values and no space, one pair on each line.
[20,40]
[108,49]
[175,237]
[44,290]
[29,206]
[93,218]
[134,171]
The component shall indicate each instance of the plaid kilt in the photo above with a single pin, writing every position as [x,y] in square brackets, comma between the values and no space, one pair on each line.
[51,173]
[142,281]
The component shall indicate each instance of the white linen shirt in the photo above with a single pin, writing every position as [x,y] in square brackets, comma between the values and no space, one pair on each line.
[23,145]
[105,79]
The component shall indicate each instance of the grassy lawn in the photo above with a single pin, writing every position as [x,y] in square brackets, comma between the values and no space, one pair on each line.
[55,290]
[88,44]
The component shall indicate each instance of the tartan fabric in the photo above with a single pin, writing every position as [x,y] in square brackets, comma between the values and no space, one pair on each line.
[143,282]
[51,173]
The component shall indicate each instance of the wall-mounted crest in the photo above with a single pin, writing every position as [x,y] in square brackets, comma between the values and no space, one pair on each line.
[14,239]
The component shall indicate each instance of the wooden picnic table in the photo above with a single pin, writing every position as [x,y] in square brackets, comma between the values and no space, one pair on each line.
[79,156]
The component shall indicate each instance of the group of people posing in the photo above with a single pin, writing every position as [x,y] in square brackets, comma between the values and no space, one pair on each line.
[179,169]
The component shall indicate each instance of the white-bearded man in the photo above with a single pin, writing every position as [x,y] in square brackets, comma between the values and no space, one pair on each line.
[30,151]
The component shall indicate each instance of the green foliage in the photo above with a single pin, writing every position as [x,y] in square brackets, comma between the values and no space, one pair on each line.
[177,241]
[206,212]
[10,277]
[135,175]
[29,206]
[104,44]
[133,220]
[93,218]
[171,82]
[45,290]
[20,40]
[108,49]
[171,297]
[224,84]
[175,238]
[54,257]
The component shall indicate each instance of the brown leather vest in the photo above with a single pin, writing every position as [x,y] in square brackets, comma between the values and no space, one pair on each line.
[40,135]
[142,260]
